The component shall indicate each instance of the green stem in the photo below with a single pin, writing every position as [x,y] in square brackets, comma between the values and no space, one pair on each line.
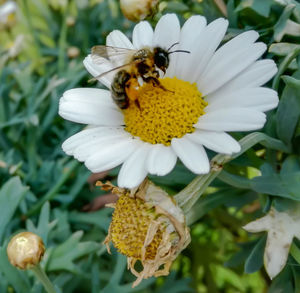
[41,275]
[187,197]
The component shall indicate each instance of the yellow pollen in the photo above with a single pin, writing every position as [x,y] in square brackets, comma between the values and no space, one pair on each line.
[129,226]
[164,112]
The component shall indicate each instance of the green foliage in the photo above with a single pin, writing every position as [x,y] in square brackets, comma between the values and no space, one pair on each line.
[43,191]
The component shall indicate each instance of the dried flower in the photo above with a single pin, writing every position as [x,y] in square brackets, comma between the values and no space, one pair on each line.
[137,10]
[25,250]
[149,227]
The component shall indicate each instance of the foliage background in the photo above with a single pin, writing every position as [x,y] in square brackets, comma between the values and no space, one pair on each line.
[43,190]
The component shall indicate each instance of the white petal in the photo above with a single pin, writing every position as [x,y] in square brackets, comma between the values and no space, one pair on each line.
[276,251]
[225,65]
[219,142]
[142,35]
[90,106]
[193,156]
[75,140]
[235,119]
[255,75]
[95,69]
[118,39]
[259,225]
[261,99]
[134,171]
[205,47]
[190,33]
[98,141]
[110,154]
[161,160]
[167,31]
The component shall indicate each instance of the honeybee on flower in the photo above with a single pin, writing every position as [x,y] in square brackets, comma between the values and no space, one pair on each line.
[210,91]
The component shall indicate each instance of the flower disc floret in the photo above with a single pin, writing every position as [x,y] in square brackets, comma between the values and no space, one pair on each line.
[164,112]
[129,226]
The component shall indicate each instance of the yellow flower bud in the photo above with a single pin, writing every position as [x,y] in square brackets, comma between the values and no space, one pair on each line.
[25,250]
[137,10]
[149,227]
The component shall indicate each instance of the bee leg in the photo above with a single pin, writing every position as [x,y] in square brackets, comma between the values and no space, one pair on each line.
[137,104]
[156,82]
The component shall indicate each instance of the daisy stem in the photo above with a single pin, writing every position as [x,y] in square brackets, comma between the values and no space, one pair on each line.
[43,278]
[187,197]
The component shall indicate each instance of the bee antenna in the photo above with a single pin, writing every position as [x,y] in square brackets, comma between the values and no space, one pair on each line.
[173,46]
[183,51]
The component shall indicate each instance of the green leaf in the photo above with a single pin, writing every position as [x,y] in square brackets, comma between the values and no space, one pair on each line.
[283,283]
[11,193]
[240,257]
[285,184]
[295,252]
[232,15]
[99,218]
[283,49]
[255,259]
[281,25]
[262,8]
[176,6]
[288,110]
[18,279]
[44,226]
[63,256]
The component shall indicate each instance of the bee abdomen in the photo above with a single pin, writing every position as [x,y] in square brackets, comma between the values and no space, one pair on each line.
[118,89]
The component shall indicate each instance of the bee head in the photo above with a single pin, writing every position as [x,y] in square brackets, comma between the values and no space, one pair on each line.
[161,59]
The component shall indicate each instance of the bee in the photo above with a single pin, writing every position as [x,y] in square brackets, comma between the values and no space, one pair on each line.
[140,66]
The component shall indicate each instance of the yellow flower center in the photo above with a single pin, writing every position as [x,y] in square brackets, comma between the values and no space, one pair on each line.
[163,113]
[129,226]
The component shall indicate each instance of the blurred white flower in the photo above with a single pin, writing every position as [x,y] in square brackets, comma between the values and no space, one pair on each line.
[6,9]
[282,227]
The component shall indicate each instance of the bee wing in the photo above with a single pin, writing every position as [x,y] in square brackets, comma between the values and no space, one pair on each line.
[111,70]
[101,51]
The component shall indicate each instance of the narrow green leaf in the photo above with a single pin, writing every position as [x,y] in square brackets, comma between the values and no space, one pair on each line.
[260,7]
[16,278]
[255,260]
[11,193]
[283,49]
[288,110]
[64,255]
[280,27]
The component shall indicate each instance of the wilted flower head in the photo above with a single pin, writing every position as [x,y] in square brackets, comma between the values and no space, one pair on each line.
[137,10]
[25,250]
[149,227]
[206,91]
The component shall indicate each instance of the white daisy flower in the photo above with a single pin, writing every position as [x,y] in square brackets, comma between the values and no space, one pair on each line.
[208,92]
